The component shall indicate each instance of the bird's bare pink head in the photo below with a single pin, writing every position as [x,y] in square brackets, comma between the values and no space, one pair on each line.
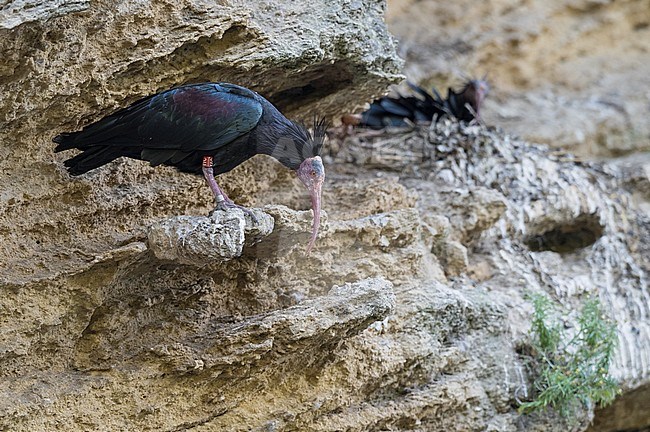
[476,91]
[312,174]
[300,150]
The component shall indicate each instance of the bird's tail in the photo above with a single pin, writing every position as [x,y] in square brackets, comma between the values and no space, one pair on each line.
[100,144]
[89,159]
[65,141]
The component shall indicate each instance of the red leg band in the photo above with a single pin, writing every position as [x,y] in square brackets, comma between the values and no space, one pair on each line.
[207,161]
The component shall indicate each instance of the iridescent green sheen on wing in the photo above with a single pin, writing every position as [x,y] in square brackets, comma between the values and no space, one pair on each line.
[201,117]
[176,127]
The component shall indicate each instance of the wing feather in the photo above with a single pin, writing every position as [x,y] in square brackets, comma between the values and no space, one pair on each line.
[198,118]
[195,117]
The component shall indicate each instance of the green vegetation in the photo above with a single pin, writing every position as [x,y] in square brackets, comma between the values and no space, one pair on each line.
[576,371]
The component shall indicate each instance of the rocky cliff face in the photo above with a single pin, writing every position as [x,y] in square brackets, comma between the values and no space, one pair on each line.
[125,307]
[67,66]
[571,74]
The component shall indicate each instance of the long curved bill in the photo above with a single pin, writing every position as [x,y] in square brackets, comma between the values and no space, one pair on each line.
[315,193]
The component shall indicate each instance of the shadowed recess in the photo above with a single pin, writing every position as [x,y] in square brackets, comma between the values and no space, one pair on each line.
[322,80]
[568,237]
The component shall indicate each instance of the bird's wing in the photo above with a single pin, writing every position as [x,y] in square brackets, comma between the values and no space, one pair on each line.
[373,116]
[438,98]
[202,117]
[189,118]
[419,91]
[394,107]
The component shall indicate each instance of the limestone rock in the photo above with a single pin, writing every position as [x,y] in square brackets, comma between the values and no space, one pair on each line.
[386,230]
[67,63]
[292,332]
[558,226]
[292,229]
[101,333]
[196,371]
[264,341]
[569,73]
[15,13]
[454,258]
[473,211]
[355,199]
[201,241]
[636,176]
[629,412]
[438,226]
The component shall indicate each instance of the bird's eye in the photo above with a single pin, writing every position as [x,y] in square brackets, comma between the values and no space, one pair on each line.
[313,173]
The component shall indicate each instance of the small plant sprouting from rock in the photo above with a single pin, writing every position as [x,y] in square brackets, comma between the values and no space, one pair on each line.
[571,370]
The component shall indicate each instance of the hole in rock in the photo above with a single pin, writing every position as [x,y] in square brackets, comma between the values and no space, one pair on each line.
[568,237]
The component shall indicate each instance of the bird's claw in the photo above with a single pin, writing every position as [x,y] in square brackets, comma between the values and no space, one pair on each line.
[227,205]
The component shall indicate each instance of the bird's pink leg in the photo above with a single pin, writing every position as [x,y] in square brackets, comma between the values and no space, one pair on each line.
[223,202]
[208,173]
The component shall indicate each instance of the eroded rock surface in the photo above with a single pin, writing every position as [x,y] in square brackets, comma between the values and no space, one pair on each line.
[201,371]
[66,66]
[201,241]
[541,221]
[411,310]
[410,318]
[571,74]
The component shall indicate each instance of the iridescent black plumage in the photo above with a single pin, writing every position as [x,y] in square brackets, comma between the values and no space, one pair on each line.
[424,107]
[206,129]
[180,126]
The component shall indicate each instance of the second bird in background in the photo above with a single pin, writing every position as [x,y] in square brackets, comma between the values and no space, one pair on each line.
[397,111]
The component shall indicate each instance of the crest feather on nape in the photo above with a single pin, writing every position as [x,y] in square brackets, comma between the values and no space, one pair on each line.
[311,143]
[320,133]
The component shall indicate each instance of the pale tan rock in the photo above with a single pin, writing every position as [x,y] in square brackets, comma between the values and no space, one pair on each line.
[343,312]
[540,221]
[635,170]
[571,74]
[454,258]
[66,64]
[262,341]
[100,334]
[472,211]
[628,412]
[355,199]
[201,241]
[17,12]
[481,270]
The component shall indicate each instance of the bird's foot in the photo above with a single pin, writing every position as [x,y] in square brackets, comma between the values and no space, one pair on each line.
[226,205]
